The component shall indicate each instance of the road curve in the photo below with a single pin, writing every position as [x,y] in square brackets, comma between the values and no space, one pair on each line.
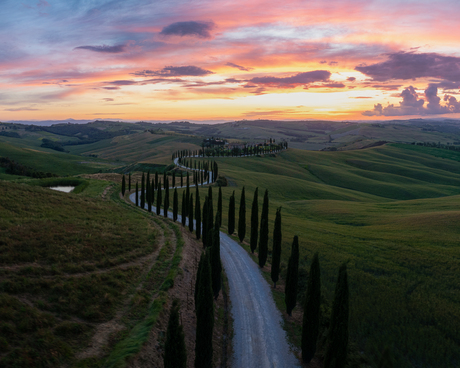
[259,340]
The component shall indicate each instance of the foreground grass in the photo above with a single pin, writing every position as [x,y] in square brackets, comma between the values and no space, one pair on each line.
[66,262]
[392,214]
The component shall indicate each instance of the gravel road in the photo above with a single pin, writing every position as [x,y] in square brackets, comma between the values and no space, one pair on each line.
[259,340]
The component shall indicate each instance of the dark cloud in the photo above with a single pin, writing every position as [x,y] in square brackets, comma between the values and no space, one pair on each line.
[191,28]
[410,65]
[411,104]
[294,80]
[104,48]
[175,71]
[326,85]
[333,63]
[108,99]
[239,67]
[351,79]
[122,82]
[323,62]
[111,88]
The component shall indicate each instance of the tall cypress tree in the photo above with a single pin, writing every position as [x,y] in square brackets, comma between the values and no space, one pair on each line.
[159,201]
[336,351]
[129,182]
[231,214]
[187,194]
[166,206]
[175,355]
[137,194]
[204,317]
[311,311]
[197,280]
[276,252]
[242,217]
[219,205]
[216,265]
[254,220]
[174,179]
[183,215]
[205,222]
[209,224]
[164,180]
[292,276]
[152,190]
[197,214]
[147,187]
[143,191]
[263,236]
[175,205]
[190,216]
[123,185]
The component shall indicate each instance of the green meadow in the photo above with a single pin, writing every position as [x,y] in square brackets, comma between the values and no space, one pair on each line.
[392,213]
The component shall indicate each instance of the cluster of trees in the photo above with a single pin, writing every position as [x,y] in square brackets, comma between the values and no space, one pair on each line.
[207,171]
[450,147]
[15,168]
[268,146]
[48,143]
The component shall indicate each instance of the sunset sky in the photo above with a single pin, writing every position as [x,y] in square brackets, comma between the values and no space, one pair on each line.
[229,60]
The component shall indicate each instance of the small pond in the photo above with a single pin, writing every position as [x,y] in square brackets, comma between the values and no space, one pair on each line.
[66,189]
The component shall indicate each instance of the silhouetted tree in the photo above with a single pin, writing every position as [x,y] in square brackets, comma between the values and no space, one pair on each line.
[204,220]
[336,351]
[276,252]
[263,236]
[137,194]
[197,214]
[190,216]
[210,223]
[216,265]
[204,317]
[254,221]
[159,201]
[123,185]
[166,207]
[129,182]
[242,218]
[183,215]
[231,214]
[311,311]
[175,205]
[175,355]
[143,191]
[292,276]
[219,205]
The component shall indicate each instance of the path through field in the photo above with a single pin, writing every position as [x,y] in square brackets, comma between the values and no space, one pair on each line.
[259,340]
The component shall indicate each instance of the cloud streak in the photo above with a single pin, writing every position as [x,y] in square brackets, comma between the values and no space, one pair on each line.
[190,28]
[104,48]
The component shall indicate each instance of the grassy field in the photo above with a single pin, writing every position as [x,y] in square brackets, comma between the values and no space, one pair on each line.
[70,263]
[392,213]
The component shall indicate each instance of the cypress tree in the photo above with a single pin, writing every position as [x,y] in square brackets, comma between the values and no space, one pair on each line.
[336,351]
[159,202]
[219,205]
[292,276]
[129,182]
[231,214]
[197,214]
[242,217]
[147,187]
[175,355]
[254,220]
[263,236]
[183,216]
[143,191]
[311,311]
[123,185]
[205,222]
[175,205]
[209,223]
[190,216]
[187,194]
[166,207]
[197,281]
[276,252]
[152,190]
[204,317]
[164,180]
[137,194]
[174,179]
[216,265]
